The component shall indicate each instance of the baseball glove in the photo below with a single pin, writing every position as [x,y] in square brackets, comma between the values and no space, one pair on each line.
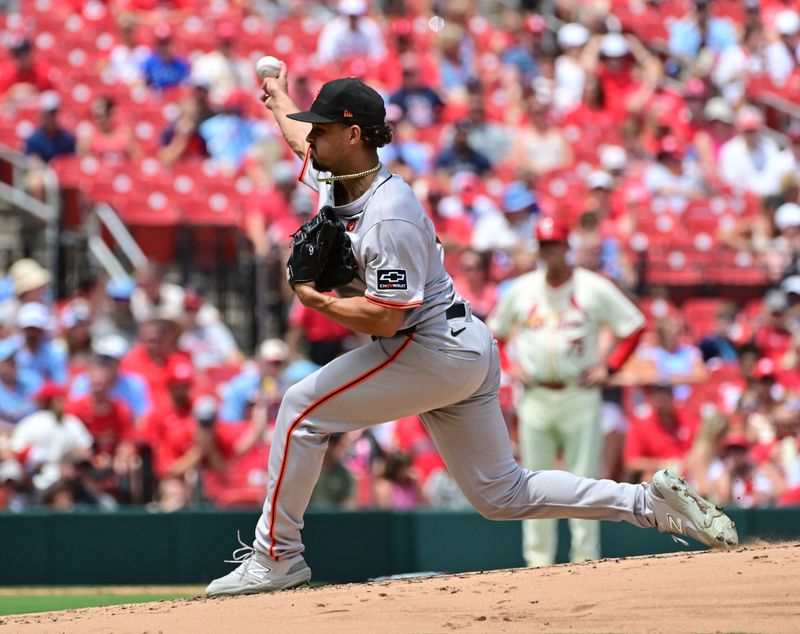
[321,253]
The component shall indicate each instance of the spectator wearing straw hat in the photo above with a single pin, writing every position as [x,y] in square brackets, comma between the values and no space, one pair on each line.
[30,280]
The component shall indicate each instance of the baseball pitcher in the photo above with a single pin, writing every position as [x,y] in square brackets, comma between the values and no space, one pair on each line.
[429,356]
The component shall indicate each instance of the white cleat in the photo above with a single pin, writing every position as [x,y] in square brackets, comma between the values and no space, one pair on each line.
[258,572]
[680,510]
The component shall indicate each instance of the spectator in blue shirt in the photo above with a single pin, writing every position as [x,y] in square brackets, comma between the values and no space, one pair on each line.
[421,104]
[265,378]
[128,387]
[17,387]
[49,139]
[162,69]
[38,353]
[460,156]
[229,134]
[698,30]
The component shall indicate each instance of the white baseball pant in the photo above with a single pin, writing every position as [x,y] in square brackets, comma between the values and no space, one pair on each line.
[563,421]
[449,373]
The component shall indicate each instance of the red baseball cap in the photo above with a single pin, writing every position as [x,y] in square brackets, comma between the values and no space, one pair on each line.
[225,31]
[552,230]
[764,368]
[192,299]
[749,118]
[735,439]
[695,87]
[535,24]
[180,373]
[162,31]
[50,391]
[669,146]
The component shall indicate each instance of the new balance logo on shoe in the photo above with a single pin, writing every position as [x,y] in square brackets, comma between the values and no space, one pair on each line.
[675,526]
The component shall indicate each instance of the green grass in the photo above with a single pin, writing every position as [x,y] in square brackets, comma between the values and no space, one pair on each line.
[24,604]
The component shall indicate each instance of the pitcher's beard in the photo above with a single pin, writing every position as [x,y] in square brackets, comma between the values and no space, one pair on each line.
[319,166]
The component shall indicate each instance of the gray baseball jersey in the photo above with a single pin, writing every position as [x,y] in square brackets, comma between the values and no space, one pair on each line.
[447,371]
[400,261]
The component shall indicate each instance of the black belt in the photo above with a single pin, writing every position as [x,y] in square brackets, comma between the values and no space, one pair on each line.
[454,312]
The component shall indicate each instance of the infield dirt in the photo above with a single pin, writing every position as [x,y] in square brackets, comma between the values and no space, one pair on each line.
[753,589]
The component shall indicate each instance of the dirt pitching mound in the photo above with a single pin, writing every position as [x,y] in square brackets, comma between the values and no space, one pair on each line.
[753,589]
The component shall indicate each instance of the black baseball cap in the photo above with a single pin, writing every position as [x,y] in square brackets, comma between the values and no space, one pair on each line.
[347,100]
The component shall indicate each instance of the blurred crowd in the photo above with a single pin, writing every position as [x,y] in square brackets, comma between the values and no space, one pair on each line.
[640,123]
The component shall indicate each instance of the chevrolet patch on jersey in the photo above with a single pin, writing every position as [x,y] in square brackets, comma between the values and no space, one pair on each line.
[392,279]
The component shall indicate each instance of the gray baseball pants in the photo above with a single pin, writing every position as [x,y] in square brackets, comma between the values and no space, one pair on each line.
[448,372]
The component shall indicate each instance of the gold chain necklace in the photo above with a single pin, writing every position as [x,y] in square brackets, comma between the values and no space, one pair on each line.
[349,177]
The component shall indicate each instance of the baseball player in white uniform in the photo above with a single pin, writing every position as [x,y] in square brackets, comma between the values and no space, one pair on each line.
[429,356]
[551,319]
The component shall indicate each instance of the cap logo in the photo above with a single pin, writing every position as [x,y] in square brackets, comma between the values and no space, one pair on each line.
[348,114]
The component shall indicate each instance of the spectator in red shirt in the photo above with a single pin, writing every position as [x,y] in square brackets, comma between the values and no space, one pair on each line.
[22,77]
[453,226]
[152,357]
[660,439]
[763,407]
[591,113]
[473,282]
[324,338]
[181,141]
[169,428]
[108,419]
[740,480]
[195,441]
[411,437]
[773,337]
[271,203]
[628,72]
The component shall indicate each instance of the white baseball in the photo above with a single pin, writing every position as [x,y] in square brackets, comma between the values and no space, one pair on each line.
[268,66]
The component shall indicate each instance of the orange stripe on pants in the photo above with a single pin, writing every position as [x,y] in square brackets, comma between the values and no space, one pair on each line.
[308,410]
